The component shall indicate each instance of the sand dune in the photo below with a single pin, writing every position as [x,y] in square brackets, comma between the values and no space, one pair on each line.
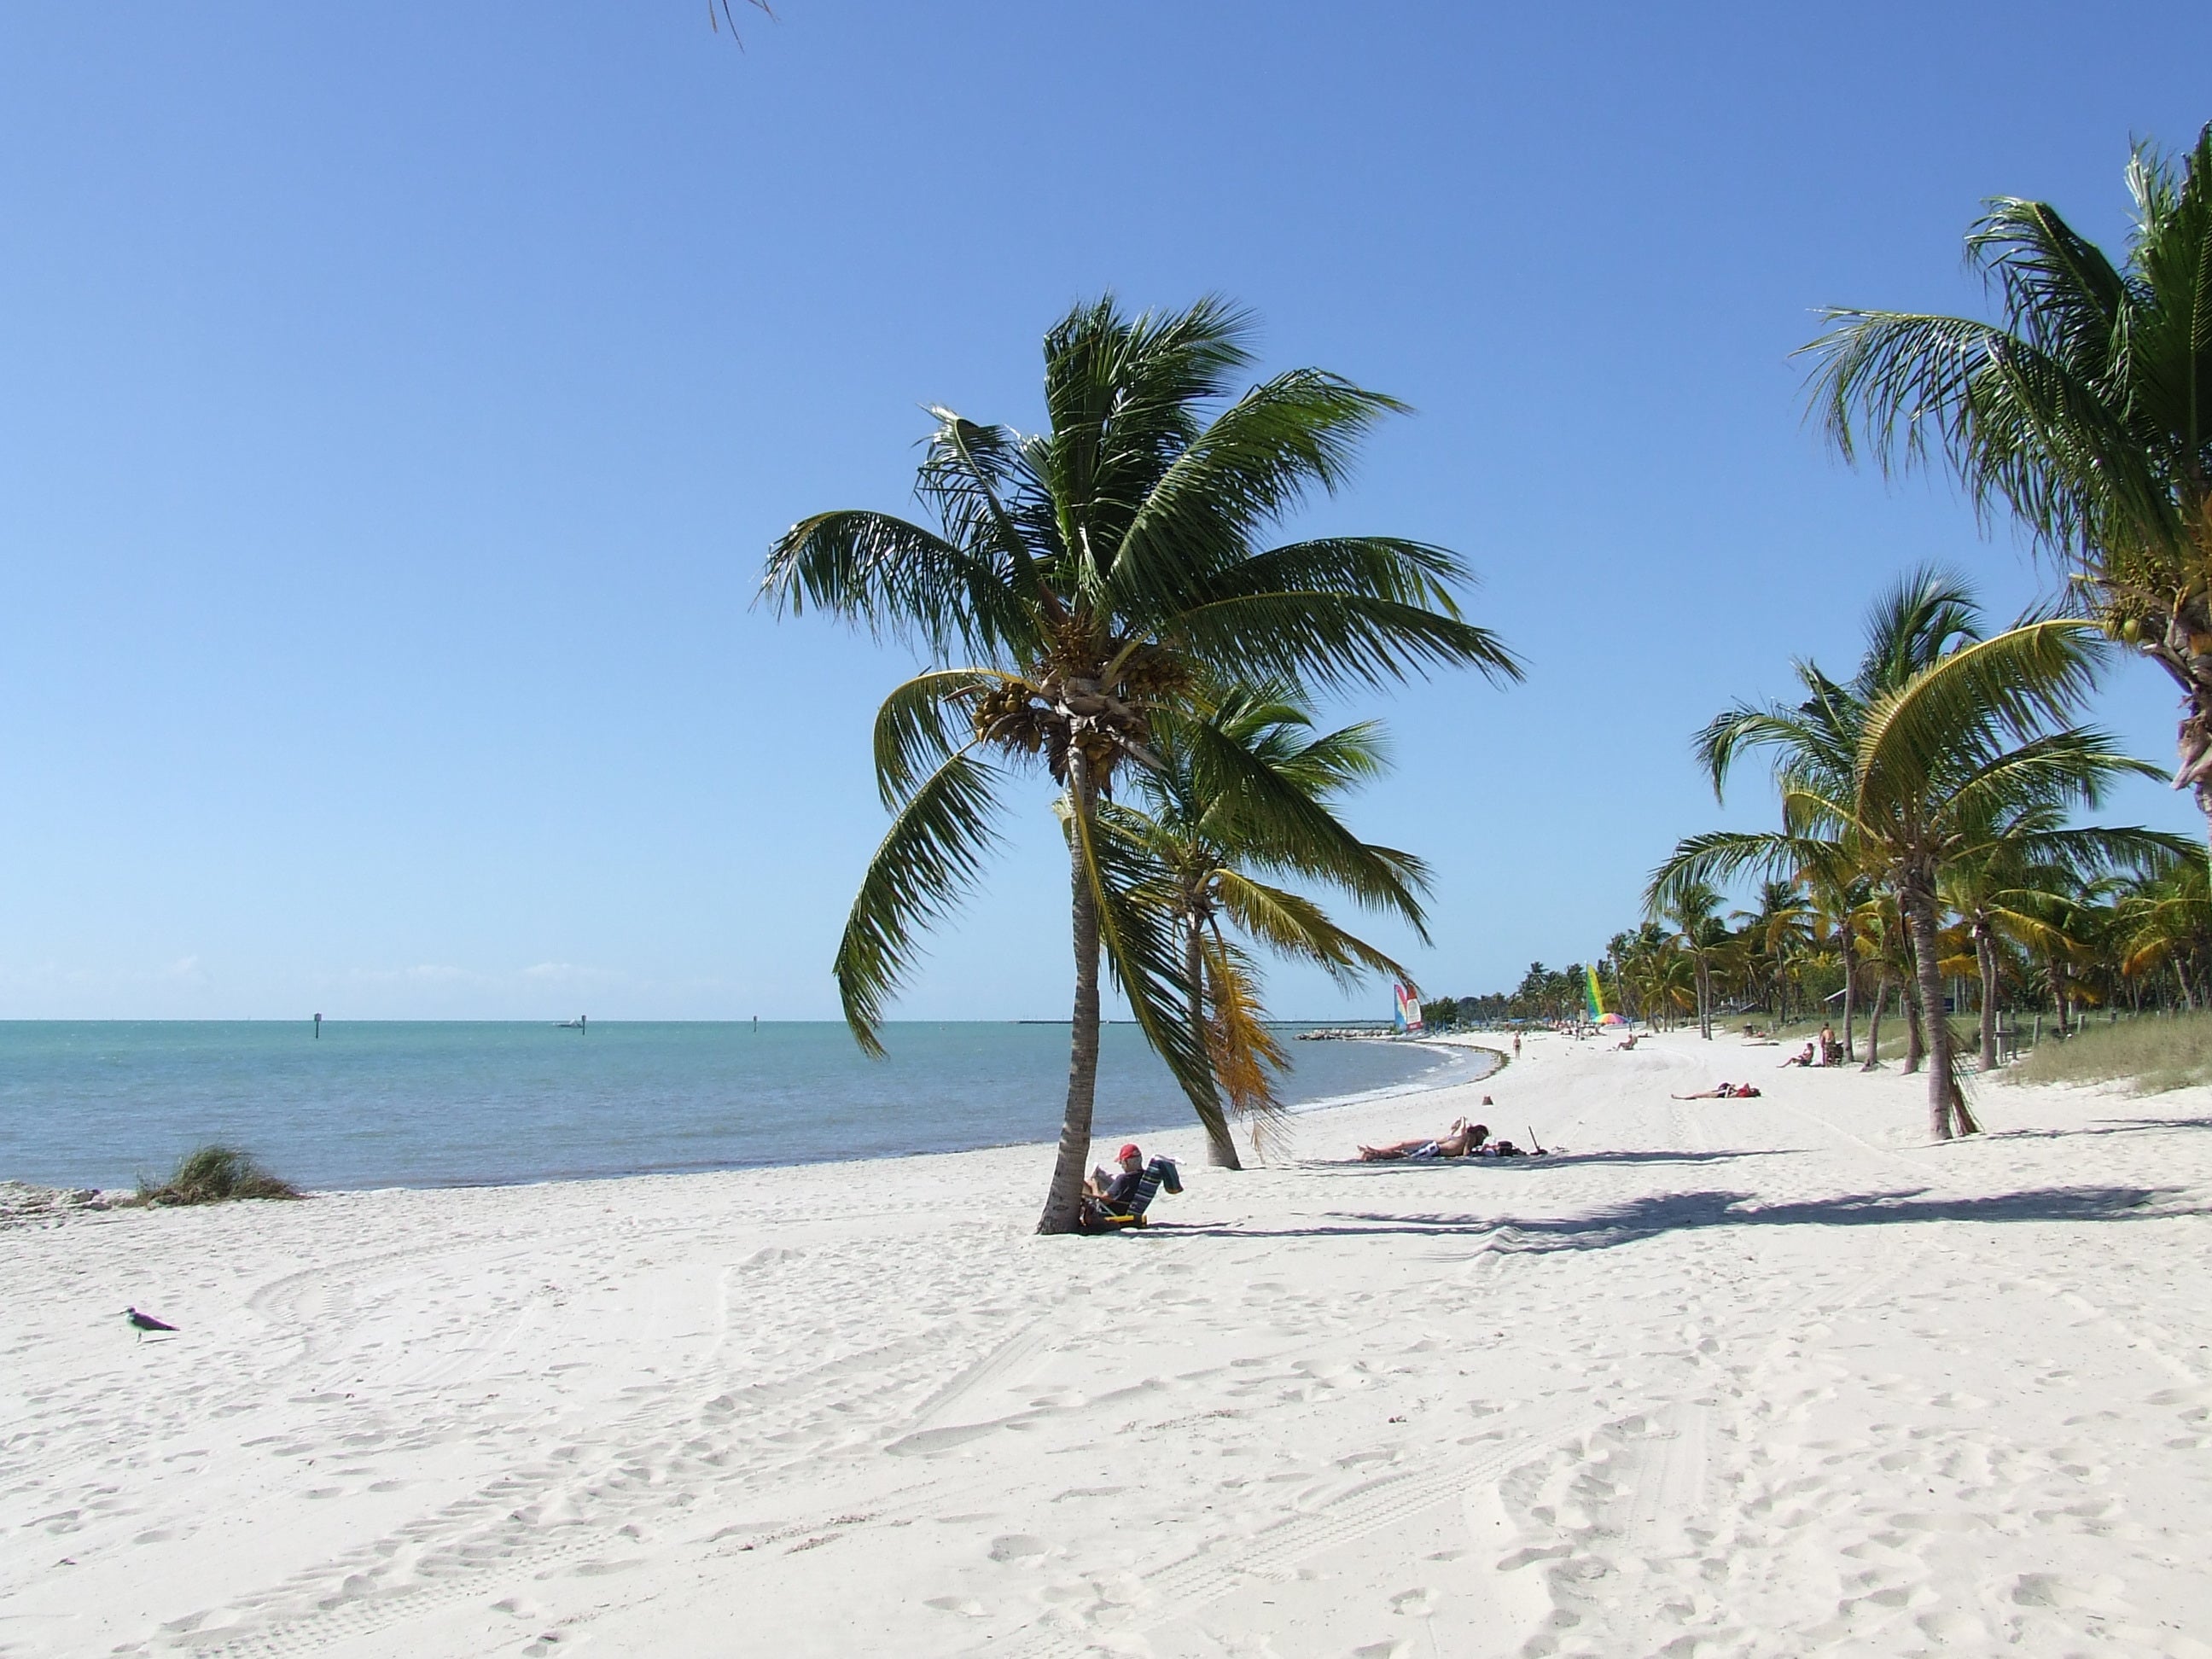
[1750,1377]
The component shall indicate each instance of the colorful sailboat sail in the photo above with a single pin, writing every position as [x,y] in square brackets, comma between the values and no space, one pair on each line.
[1594,996]
[1406,1012]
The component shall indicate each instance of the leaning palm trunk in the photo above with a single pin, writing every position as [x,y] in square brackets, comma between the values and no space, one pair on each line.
[1920,918]
[1874,1020]
[1063,1205]
[1220,1144]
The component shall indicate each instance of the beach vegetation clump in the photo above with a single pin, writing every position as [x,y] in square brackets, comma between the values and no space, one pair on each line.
[214,1174]
[2155,1053]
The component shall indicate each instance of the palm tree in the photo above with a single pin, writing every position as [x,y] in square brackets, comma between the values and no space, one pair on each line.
[1775,937]
[1836,901]
[1694,910]
[1879,931]
[2008,872]
[2087,411]
[1898,773]
[2165,922]
[1092,576]
[1242,792]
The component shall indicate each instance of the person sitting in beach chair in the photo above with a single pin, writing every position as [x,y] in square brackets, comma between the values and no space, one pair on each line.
[1121,1200]
[1803,1057]
[1725,1091]
[1462,1139]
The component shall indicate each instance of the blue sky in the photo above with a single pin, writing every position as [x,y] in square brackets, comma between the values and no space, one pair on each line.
[396,403]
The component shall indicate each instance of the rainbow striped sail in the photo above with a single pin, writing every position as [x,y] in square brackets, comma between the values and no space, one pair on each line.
[1594,996]
[1406,1012]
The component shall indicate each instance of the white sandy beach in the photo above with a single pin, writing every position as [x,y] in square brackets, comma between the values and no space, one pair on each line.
[1761,1377]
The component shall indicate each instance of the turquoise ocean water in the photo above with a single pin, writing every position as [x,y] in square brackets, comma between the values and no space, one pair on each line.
[97,1104]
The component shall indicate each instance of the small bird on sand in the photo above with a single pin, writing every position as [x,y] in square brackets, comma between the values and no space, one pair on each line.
[143,1324]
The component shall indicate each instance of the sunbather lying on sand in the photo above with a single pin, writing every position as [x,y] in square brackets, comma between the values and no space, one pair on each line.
[1725,1091]
[1463,1139]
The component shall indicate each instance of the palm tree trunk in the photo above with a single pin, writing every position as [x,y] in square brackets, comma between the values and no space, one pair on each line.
[1908,999]
[1851,999]
[1985,949]
[1920,909]
[1221,1147]
[1063,1204]
[1874,1020]
[1704,1002]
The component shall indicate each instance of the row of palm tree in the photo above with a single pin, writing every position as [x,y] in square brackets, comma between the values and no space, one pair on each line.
[2058,942]
[1938,780]
[1098,604]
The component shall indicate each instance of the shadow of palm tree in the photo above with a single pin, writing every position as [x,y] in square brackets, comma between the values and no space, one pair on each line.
[1666,1212]
[2111,1126]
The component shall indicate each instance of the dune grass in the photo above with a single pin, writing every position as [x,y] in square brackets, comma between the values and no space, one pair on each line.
[214,1174]
[2157,1054]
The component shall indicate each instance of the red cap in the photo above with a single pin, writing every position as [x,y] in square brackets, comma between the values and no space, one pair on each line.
[1127,1152]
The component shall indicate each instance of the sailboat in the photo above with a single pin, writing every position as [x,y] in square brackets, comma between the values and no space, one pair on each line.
[575,1025]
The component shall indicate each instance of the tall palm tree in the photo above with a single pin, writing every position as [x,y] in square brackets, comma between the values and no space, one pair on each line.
[1693,909]
[1091,576]
[2087,411]
[1899,773]
[1244,791]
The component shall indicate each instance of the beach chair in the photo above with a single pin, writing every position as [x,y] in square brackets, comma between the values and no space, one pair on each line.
[1097,1218]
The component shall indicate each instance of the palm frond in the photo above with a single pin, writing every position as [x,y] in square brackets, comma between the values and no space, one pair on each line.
[1965,705]
[923,721]
[1145,954]
[1264,817]
[1246,1056]
[1701,862]
[1254,463]
[901,580]
[1335,641]
[1294,926]
[931,855]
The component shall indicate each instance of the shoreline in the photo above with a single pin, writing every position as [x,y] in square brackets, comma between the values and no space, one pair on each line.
[38,1201]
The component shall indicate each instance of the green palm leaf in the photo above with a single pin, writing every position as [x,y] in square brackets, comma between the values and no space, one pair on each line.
[931,855]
